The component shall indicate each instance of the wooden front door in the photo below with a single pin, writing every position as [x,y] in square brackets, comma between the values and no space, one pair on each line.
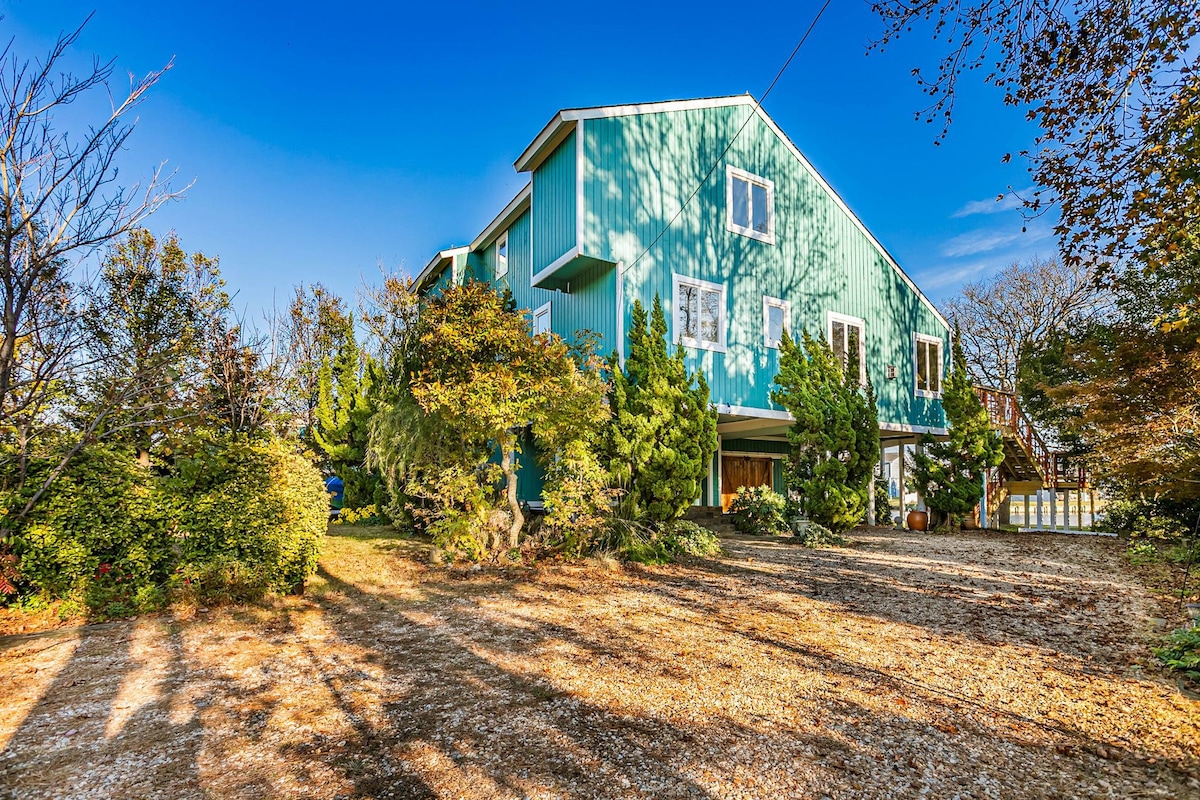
[743,471]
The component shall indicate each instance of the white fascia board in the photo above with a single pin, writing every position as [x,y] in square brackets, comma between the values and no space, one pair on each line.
[437,261]
[558,127]
[858,223]
[504,219]
[546,272]
[899,427]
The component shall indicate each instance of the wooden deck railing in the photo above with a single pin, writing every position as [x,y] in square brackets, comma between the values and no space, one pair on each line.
[1006,415]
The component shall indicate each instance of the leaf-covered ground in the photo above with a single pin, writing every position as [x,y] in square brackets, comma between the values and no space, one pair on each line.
[906,665]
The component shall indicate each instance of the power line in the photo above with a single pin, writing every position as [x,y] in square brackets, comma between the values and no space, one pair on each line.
[753,112]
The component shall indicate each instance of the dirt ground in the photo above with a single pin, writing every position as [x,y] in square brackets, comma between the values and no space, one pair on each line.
[907,665]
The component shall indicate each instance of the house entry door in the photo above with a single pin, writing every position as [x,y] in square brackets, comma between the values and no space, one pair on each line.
[737,471]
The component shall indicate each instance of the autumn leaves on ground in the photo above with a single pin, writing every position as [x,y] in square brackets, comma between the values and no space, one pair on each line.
[906,664]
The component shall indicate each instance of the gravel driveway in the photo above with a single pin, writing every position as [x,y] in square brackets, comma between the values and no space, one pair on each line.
[906,665]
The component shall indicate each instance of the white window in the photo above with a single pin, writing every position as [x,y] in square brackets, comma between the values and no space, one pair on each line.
[751,203]
[847,335]
[502,255]
[699,308]
[777,317]
[541,320]
[928,366]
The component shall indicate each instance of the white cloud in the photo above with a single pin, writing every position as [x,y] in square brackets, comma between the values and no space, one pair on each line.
[1010,201]
[975,242]
[986,240]
[932,280]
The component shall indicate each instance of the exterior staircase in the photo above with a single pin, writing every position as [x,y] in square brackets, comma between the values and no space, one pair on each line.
[711,517]
[1029,464]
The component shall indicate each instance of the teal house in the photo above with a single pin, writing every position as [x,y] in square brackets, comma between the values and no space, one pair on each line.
[709,205]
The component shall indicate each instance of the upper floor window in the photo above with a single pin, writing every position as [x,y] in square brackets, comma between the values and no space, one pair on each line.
[776,319]
[541,320]
[699,313]
[848,335]
[928,365]
[751,203]
[502,255]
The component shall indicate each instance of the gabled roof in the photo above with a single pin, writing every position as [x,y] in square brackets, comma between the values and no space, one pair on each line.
[504,218]
[440,260]
[562,123]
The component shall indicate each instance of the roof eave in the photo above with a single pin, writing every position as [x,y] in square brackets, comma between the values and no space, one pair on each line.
[504,218]
[560,125]
[436,263]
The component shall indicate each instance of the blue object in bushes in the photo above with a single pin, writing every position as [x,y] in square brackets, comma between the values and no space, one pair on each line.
[337,490]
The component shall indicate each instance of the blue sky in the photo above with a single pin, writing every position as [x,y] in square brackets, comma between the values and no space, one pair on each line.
[326,139]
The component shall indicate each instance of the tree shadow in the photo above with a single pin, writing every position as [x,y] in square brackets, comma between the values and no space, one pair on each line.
[115,711]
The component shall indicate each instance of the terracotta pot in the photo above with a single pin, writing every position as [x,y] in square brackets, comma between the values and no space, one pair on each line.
[918,521]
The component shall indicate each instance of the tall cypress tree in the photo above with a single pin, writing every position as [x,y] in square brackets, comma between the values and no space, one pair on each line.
[663,432]
[950,473]
[835,437]
[346,400]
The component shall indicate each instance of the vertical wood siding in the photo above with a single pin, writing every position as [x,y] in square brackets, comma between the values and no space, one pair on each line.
[638,171]
[554,190]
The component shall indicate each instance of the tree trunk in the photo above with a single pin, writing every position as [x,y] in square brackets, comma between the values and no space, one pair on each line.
[510,491]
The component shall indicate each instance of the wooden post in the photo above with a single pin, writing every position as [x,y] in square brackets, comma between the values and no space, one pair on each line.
[1092,507]
[1066,509]
[1039,509]
[1054,508]
[1025,515]
[903,487]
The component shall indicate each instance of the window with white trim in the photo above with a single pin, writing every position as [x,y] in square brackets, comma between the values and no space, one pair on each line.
[777,317]
[502,255]
[541,320]
[848,335]
[751,203]
[699,308]
[928,363]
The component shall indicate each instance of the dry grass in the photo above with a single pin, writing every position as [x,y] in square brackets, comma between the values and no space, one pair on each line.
[906,665]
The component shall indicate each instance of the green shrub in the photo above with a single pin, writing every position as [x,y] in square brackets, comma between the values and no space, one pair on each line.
[759,509]
[686,538]
[813,534]
[224,579]
[258,504]
[1182,653]
[1146,518]
[101,532]
[367,515]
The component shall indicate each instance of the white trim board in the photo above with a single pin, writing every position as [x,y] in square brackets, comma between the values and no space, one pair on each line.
[901,428]
[918,338]
[504,219]
[547,271]
[436,261]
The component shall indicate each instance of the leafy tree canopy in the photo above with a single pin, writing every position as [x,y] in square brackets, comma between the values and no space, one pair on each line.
[1115,90]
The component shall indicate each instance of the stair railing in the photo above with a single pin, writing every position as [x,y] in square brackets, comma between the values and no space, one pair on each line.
[1006,414]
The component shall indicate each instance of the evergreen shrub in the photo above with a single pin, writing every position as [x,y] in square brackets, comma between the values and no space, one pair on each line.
[759,509]
[101,533]
[248,514]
